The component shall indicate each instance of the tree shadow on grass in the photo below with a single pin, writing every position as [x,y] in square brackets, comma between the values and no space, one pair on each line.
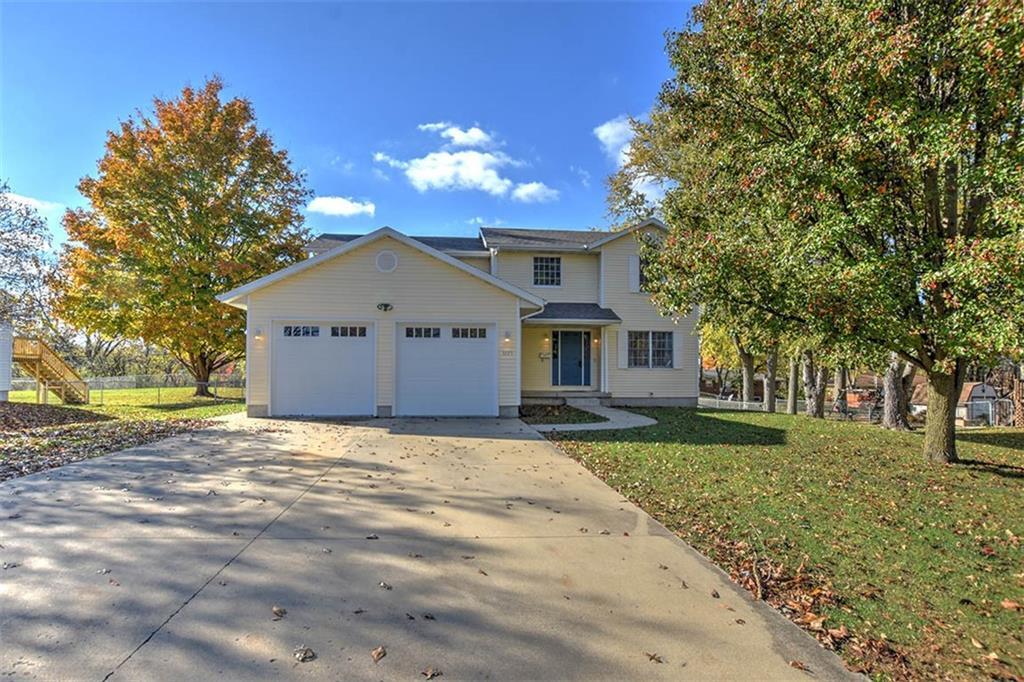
[1013,440]
[687,426]
[195,403]
[21,416]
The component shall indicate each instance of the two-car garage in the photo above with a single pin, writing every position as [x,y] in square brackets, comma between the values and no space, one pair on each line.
[383,325]
[322,368]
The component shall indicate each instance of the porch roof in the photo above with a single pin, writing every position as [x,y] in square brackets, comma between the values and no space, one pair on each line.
[574,313]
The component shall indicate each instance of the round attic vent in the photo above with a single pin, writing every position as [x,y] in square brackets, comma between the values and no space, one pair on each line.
[387,261]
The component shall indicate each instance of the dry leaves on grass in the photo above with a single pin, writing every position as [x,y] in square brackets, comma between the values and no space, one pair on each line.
[38,449]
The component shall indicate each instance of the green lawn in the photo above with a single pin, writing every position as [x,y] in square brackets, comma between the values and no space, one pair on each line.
[557,414]
[917,569]
[152,403]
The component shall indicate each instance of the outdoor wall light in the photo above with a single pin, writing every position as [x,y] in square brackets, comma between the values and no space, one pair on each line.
[385,307]
[258,333]
[508,336]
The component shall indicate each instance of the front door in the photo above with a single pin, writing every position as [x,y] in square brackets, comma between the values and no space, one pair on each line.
[572,354]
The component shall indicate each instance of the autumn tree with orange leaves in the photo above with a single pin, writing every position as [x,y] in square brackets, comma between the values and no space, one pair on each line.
[189,201]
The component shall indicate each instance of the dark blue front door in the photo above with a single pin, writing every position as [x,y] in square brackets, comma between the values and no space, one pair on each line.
[570,358]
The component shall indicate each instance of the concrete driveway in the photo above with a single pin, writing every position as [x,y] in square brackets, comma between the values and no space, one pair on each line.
[472,547]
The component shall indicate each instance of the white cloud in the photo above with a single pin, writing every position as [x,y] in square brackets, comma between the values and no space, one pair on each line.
[478,220]
[460,170]
[582,173]
[534,193]
[615,136]
[341,206]
[37,204]
[451,168]
[459,137]
[381,157]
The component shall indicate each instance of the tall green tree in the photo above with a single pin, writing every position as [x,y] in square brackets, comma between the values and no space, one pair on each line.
[872,153]
[189,201]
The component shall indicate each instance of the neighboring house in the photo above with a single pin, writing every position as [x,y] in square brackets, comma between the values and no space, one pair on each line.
[6,350]
[977,400]
[387,324]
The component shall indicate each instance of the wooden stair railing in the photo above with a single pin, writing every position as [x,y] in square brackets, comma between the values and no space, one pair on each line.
[50,370]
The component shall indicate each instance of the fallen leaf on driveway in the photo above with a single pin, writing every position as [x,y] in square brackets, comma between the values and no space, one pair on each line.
[799,665]
[278,612]
[714,593]
[303,654]
[654,657]
[431,673]
[383,585]
[428,616]
[372,536]
[378,653]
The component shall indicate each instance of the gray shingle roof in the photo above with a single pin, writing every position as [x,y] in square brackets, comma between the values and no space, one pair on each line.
[325,242]
[576,311]
[523,238]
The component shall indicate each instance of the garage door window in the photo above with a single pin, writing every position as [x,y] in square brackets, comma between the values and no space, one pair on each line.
[422,332]
[348,331]
[469,332]
[301,330]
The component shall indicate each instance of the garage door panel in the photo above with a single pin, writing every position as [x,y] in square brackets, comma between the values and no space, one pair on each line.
[326,369]
[446,373]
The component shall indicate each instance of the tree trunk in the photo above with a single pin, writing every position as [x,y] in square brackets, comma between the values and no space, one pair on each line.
[896,407]
[839,404]
[202,376]
[200,366]
[793,388]
[940,425]
[814,386]
[769,380]
[747,364]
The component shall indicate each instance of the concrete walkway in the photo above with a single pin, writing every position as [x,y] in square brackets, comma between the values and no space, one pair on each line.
[617,419]
[472,547]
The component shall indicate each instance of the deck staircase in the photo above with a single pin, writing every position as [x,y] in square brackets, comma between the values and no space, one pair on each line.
[51,373]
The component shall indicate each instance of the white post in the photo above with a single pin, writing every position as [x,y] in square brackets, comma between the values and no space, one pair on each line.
[6,355]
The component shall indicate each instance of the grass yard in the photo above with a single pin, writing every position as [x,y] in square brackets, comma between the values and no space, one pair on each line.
[557,414]
[152,403]
[909,570]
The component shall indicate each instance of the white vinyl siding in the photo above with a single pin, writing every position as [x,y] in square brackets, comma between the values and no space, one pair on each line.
[579,275]
[422,289]
[622,294]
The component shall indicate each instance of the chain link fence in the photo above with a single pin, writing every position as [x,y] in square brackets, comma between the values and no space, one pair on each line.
[142,390]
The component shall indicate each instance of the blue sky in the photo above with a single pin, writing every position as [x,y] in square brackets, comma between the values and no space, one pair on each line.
[430,118]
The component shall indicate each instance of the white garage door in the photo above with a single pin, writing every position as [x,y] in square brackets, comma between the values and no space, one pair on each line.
[322,369]
[446,370]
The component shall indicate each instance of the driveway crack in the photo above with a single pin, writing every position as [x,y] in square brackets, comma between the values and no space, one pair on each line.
[230,561]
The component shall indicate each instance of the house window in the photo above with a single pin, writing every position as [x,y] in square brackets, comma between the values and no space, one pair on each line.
[422,332]
[301,330]
[547,271]
[343,332]
[650,349]
[643,274]
[469,332]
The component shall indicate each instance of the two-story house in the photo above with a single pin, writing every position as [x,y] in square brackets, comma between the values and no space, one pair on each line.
[386,324]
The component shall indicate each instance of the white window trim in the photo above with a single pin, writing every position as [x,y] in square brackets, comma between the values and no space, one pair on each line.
[561,274]
[650,349]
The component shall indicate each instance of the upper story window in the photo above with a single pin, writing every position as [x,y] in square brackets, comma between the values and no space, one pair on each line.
[547,271]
